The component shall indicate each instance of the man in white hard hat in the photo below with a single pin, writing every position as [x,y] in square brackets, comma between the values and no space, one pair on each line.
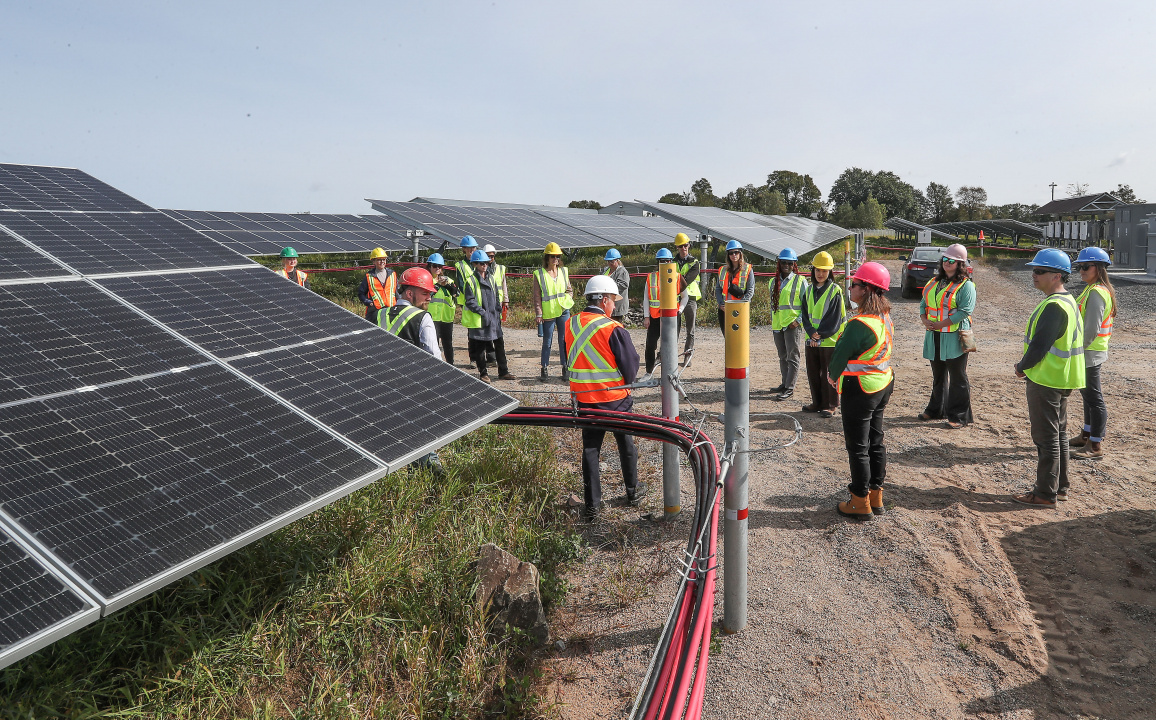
[602,359]
[497,275]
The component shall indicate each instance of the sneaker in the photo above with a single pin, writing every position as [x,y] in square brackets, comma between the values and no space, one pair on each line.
[777,390]
[826,414]
[639,494]
[1087,453]
[507,376]
[811,408]
[1062,496]
[486,379]
[646,378]
[784,395]
[1034,501]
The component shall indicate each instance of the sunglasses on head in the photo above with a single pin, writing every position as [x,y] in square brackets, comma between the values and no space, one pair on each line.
[950,261]
[1042,271]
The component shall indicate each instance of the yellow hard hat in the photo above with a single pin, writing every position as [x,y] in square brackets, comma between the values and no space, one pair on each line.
[377,253]
[823,261]
[552,249]
[681,239]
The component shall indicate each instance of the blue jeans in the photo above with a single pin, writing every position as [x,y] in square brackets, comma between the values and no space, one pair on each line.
[547,329]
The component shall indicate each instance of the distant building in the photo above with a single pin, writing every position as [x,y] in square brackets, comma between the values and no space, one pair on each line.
[624,207]
[1135,225]
[1072,223]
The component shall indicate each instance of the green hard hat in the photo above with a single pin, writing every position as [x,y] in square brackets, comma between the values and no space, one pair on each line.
[288,253]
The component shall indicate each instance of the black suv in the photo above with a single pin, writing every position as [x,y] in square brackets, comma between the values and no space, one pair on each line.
[920,267]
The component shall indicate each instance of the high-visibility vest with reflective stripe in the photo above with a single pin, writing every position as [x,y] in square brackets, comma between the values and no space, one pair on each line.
[396,321]
[817,309]
[591,362]
[940,301]
[497,276]
[382,294]
[790,302]
[1105,331]
[470,319]
[301,276]
[1063,366]
[654,295]
[465,270]
[744,281]
[555,299]
[441,305]
[684,266]
[873,367]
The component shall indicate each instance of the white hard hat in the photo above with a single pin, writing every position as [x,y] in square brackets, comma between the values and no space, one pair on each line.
[489,249]
[602,285]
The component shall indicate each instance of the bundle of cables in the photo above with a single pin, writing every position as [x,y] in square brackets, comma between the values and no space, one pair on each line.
[675,680]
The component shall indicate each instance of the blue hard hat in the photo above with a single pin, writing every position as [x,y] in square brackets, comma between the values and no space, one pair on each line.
[1053,259]
[468,241]
[1093,254]
[436,259]
[479,256]
[734,245]
[663,254]
[788,254]
[612,254]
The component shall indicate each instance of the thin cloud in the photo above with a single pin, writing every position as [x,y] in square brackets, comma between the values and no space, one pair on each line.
[1119,160]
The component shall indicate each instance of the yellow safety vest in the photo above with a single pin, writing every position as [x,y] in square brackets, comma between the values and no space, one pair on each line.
[441,306]
[555,299]
[1105,331]
[683,267]
[1063,366]
[940,301]
[790,302]
[465,270]
[498,279]
[470,319]
[817,310]
[873,367]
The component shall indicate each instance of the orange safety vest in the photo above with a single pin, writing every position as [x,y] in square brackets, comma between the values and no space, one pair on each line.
[873,367]
[937,312]
[724,278]
[592,364]
[653,303]
[382,295]
[301,276]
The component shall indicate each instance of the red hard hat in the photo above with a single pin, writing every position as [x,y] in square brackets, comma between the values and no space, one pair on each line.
[874,275]
[419,278]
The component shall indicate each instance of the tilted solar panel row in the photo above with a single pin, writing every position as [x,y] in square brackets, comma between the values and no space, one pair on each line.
[268,233]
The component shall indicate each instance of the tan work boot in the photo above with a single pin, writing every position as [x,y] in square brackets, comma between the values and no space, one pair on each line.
[1080,441]
[875,498]
[856,508]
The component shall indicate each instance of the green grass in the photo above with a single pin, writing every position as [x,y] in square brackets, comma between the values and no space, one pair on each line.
[364,609]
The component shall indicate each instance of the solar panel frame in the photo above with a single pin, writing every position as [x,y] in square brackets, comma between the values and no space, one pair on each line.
[36,187]
[611,228]
[268,233]
[21,262]
[757,238]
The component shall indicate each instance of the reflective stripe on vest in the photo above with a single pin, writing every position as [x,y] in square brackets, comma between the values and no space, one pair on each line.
[817,310]
[591,361]
[1100,344]
[1063,366]
[498,280]
[940,302]
[470,319]
[301,276]
[745,270]
[382,295]
[441,306]
[790,302]
[404,315]
[873,367]
[684,267]
[464,272]
[654,294]
[555,299]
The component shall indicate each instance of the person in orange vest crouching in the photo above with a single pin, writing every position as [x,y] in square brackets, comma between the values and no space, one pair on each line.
[861,371]
[652,319]
[378,289]
[602,359]
[289,269]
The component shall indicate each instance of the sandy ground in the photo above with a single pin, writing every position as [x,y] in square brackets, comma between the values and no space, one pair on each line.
[955,604]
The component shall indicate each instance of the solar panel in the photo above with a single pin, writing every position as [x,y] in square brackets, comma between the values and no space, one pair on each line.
[31,187]
[101,243]
[508,229]
[755,237]
[36,605]
[613,229]
[810,233]
[56,337]
[20,262]
[268,233]
[662,225]
[134,485]
[233,312]
[386,395]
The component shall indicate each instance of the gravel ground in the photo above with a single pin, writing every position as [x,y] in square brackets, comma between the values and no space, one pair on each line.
[955,604]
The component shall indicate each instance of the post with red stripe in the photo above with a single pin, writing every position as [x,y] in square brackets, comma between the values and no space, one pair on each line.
[737,436]
[668,278]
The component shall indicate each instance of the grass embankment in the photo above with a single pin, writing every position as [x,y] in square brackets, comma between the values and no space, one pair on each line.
[364,609]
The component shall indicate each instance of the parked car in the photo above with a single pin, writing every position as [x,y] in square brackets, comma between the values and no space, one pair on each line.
[920,267]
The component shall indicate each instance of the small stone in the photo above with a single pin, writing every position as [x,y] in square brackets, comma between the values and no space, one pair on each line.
[603,466]
[560,645]
[509,592]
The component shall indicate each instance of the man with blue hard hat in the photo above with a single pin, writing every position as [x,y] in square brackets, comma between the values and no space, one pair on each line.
[787,290]
[1053,366]
[621,277]
[482,316]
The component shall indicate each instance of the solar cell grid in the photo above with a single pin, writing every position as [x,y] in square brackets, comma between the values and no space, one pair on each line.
[18,261]
[367,388]
[119,242]
[268,233]
[125,482]
[508,229]
[611,228]
[56,337]
[29,187]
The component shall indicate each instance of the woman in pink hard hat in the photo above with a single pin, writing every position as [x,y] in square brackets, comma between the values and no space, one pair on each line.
[946,308]
[860,370]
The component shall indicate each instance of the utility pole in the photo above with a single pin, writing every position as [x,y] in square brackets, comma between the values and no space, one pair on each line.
[736,433]
[668,353]
[1053,186]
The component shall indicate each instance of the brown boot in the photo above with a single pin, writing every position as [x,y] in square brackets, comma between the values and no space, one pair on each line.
[857,508]
[1080,441]
[875,497]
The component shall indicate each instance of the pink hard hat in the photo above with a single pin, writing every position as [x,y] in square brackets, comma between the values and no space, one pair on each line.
[956,252]
[874,275]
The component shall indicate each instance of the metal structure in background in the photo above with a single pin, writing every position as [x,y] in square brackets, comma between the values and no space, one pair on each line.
[736,424]
[668,350]
[907,230]
[416,236]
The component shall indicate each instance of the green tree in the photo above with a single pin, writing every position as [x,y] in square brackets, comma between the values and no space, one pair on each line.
[675,198]
[1013,211]
[702,194]
[867,214]
[895,197]
[1125,194]
[972,203]
[585,204]
[940,203]
[749,198]
[799,192]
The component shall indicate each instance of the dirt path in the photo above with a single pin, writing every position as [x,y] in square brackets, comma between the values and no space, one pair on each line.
[956,603]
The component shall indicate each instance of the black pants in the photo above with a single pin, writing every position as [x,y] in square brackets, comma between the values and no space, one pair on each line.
[653,333]
[591,475]
[950,390]
[445,332]
[722,321]
[863,433]
[823,396]
[479,349]
[1095,409]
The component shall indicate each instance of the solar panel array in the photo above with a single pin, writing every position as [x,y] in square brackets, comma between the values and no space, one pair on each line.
[164,400]
[614,229]
[508,229]
[268,233]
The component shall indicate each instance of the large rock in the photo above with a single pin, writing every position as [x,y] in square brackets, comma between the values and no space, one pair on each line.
[509,593]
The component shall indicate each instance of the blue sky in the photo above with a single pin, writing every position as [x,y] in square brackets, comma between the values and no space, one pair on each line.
[295,106]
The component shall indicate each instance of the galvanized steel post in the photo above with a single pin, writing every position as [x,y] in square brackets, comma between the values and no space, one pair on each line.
[703,261]
[736,424]
[668,353]
[846,266]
